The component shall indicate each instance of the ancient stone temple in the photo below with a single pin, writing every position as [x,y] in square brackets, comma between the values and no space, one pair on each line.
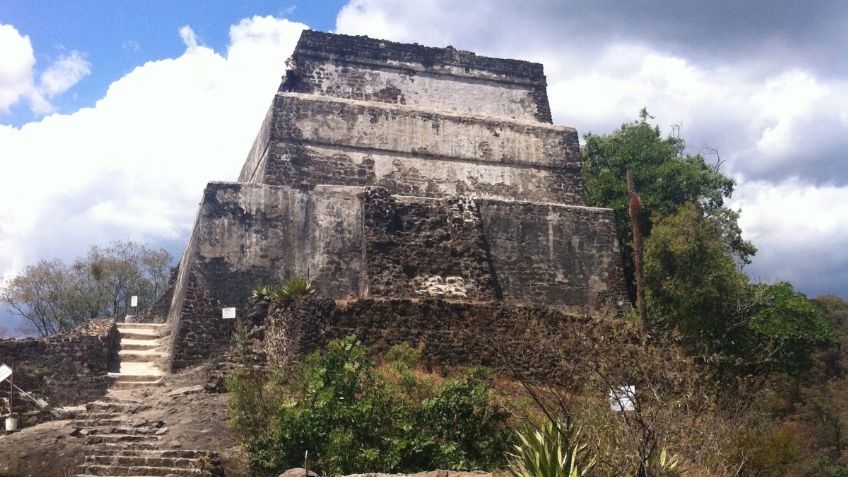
[397,170]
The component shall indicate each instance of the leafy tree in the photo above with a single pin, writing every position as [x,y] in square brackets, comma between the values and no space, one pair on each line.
[692,281]
[695,286]
[43,296]
[786,328]
[52,296]
[664,177]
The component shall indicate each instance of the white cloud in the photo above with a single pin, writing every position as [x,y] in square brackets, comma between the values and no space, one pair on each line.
[134,165]
[16,67]
[188,37]
[800,231]
[17,80]
[65,72]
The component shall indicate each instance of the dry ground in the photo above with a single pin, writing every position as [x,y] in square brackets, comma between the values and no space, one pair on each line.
[196,419]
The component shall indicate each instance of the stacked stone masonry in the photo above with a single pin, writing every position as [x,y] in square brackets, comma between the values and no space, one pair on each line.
[66,368]
[537,343]
[400,171]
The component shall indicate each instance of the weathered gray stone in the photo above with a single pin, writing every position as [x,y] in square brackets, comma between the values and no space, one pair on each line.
[66,368]
[397,171]
[298,472]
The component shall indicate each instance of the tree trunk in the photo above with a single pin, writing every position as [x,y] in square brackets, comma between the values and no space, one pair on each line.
[635,210]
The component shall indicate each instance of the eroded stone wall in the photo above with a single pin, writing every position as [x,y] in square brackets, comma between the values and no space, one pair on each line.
[410,242]
[531,342]
[316,140]
[66,368]
[357,67]
[556,255]
[249,235]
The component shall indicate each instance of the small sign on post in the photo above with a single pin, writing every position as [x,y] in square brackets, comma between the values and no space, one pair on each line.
[5,372]
[622,398]
[228,313]
[134,301]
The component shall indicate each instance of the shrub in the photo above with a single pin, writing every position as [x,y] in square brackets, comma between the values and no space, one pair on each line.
[284,293]
[552,450]
[353,416]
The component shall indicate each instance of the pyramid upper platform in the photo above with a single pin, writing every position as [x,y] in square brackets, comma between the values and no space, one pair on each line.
[359,67]
[418,121]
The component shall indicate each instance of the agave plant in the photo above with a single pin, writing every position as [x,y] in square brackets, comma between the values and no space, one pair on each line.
[280,294]
[296,287]
[669,465]
[553,450]
[260,294]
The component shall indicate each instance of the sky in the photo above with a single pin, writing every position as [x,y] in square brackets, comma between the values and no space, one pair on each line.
[114,115]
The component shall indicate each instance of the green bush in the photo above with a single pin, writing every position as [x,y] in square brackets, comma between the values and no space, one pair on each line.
[552,450]
[284,293]
[353,416]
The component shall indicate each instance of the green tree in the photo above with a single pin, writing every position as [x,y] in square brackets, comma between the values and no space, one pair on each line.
[664,177]
[785,328]
[692,281]
[40,296]
[52,296]
[694,286]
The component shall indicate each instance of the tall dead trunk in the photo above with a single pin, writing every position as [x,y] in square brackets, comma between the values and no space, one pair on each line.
[635,210]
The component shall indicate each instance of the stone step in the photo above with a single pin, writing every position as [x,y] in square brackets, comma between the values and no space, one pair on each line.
[141,326]
[139,345]
[104,407]
[106,447]
[140,334]
[134,470]
[135,384]
[139,369]
[97,414]
[92,423]
[131,377]
[120,438]
[141,356]
[134,431]
[149,460]
[163,453]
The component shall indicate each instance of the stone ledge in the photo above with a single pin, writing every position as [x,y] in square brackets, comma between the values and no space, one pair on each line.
[374,51]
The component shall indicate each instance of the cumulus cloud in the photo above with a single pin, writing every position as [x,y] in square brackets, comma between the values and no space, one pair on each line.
[803,34]
[17,73]
[134,165]
[800,231]
[16,67]
[188,37]
[776,110]
[65,72]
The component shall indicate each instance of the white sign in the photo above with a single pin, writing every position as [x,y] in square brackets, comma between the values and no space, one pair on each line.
[134,301]
[5,372]
[228,313]
[623,398]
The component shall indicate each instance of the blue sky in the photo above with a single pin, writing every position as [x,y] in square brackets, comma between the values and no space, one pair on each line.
[115,114]
[117,36]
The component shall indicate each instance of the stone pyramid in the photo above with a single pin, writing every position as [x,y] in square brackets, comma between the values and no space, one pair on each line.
[399,170]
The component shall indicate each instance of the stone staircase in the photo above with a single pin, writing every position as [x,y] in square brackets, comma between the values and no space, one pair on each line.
[141,358]
[119,442]
[120,446]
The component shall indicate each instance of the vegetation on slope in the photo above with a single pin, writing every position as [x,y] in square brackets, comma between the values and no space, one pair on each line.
[339,413]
